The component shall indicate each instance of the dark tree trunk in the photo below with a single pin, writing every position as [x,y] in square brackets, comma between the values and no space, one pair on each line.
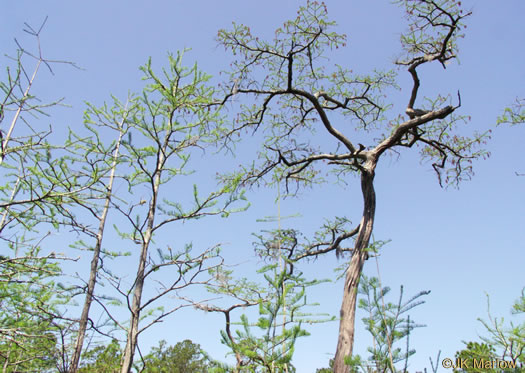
[136,306]
[345,342]
[133,332]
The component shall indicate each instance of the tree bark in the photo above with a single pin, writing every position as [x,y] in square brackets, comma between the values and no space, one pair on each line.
[94,264]
[133,332]
[345,341]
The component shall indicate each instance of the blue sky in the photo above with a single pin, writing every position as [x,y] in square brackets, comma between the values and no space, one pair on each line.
[457,243]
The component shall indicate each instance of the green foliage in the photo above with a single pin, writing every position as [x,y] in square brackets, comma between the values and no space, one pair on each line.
[507,339]
[102,359]
[504,342]
[268,344]
[184,357]
[288,94]
[285,100]
[36,179]
[475,352]
[514,114]
[29,315]
[298,91]
[430,23]
[388,323]
[519,306]
[159,131]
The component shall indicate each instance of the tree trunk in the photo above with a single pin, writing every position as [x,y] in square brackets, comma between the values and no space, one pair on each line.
[87,305]
[132,338]
[133,332]
[94,265]
[345,341]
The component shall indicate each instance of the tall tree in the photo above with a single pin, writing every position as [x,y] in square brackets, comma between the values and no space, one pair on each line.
[101,161]
[171,121]
[289,95]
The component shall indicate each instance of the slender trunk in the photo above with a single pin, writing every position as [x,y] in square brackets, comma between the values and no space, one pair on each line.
[133,332]
[345,341]
[94,265]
